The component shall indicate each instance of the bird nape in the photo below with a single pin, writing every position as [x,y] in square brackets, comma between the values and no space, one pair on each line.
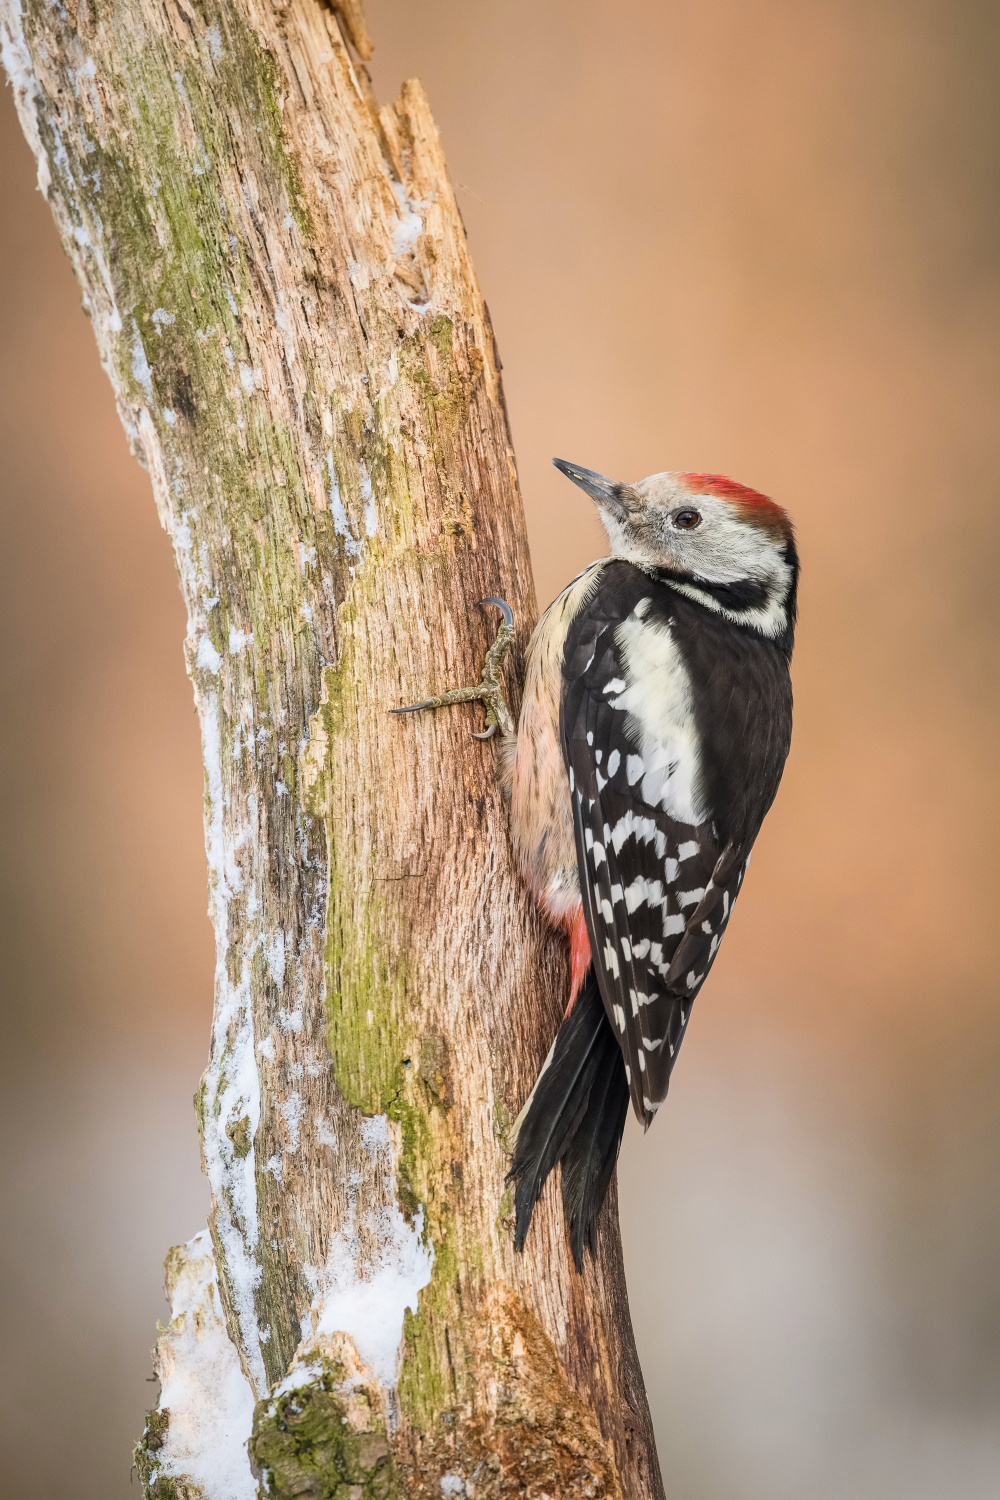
[655,723]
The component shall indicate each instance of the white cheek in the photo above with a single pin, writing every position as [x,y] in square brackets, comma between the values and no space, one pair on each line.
[728,551]
[722,550]
[617,535]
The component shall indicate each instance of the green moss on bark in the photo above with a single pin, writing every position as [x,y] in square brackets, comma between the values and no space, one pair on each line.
[180,279]
[145,1456]
[323,1440]
[431,1377]
[384,1066]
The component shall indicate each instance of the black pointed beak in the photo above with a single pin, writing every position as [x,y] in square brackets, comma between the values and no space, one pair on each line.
[607,492]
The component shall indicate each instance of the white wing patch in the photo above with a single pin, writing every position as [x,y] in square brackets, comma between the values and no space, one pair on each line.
[657,694]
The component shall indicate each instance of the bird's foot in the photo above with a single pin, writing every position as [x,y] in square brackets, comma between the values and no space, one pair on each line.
[489,692]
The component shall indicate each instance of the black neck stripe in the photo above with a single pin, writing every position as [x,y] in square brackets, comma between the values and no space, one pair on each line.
[743,594]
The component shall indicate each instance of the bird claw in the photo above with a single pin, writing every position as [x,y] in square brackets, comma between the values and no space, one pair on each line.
[504,608]
[489,692]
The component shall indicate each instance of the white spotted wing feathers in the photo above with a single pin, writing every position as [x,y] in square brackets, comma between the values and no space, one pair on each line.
[657,885]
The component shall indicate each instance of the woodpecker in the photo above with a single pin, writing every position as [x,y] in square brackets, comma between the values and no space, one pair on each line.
[655,722]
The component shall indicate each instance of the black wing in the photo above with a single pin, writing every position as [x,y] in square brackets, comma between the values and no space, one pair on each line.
[657,889]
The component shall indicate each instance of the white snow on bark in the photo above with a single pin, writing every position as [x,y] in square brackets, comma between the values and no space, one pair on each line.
[16,62]
[363,1296]
[203,1388]
[409,225]
[352,546]
[232,1082]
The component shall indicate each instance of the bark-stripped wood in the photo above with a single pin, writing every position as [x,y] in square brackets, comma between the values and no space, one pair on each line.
[283,299]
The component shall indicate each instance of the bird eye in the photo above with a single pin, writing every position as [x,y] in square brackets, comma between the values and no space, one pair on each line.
[687,520]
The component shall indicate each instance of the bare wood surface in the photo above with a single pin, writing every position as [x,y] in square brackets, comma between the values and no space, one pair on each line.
[283,299]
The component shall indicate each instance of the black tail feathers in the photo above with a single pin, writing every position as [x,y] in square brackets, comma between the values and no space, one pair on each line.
[576,1114]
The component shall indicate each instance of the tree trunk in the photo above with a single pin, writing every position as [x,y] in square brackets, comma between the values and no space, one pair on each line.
[283,299]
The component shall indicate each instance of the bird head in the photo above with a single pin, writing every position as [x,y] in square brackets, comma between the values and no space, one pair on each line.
[724,545]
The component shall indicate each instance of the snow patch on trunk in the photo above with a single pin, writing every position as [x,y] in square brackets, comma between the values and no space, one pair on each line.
[204,1391]
[375,1268]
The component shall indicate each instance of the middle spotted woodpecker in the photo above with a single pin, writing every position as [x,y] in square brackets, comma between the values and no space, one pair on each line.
[655,722]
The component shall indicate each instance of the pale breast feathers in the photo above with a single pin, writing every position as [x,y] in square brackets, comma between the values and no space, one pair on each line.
[541,814]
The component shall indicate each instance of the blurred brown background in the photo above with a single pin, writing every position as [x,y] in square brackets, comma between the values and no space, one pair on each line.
[755,236]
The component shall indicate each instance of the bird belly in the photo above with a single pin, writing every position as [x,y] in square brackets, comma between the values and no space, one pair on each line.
[541,810]
[541,807]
